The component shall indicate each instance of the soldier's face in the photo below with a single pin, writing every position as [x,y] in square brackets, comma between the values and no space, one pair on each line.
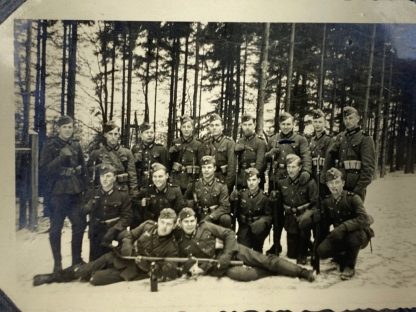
[66,131]
[351,121]
[248,127]
[188,225]
[269,129]
[148,135]
[112,136]
[107,180]
[253,183]
[187,129]
[165,226]
[318,124]
[286,126]
[216,127]
[293,169]
[160,178]
[336,186]
[208,171]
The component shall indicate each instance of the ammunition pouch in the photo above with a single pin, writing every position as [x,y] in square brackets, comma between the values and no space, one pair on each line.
[122,178]
[297,211]
[109,222]
[223,169]
[353,165]
[315,161]
[70,171]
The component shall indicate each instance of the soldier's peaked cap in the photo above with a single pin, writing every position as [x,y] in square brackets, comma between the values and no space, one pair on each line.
[109,126]
[206,160]
[247,117]
[349,110]
[332,174]
[158,166]
[186,213]
[317,113]
[252,172]
[186,118]
[63,120]
[144,126]
[105,168]
[284,116]
[167,213]
[214,117]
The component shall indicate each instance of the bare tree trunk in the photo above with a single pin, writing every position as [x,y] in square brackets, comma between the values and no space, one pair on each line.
[113,70]
[290,71]
[72,69]
[278,99]
[146,79]
[237,95]
[369,77]
[104,61]
[185,72]
[156,82]
[195,96]
[322,69]
[124,137]
[131,46]
[28,80]
[222,96]
[263,78]
[175,94]
[63,75]
[244,75]
[42,100]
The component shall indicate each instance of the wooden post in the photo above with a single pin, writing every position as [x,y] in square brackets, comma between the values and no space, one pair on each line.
[34,181]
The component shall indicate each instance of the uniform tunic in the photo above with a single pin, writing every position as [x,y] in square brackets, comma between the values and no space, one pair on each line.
[187,154]
[145,155]
[222,148]
[353,145]
[318,146]
[251,157]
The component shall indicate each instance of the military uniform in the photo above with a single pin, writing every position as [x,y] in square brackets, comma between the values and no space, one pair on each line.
[279,146]
[212,201]
[222,148]
[184,156]
[156,200]
[318,145]
[253,149]
[353,153]
[121,159]
[110,214]
[254,219]
[145,155]
[63,168]
[296,199]
[349,218]
[143,240]
[202,244]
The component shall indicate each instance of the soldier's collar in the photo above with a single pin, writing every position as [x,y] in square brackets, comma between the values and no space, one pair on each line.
[250,137]
[107,192]
[114,148]
[64,142]
[188,140]
[295,180]
[353,131]
[150,145]
[282,135]
[319,136]
[162,190]
[252,195]
[209,183]
[218,138]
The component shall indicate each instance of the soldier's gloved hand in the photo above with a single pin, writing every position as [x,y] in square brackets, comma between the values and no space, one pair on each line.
[109,237]
[338,233]
[257,227]
[165,271]
[238,148]
[143,265]
[173,149]
[273,152]
[186,266]
[224,261]
[126,248]
[274,195]
[304,177]
[87,208]
[65,152]
[234,195]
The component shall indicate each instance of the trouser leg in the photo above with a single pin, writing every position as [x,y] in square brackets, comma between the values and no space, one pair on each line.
[279,222]
[243,235]
[303,243]
[354,241]
[225,221]
[105,277]
[78,222]
[103,262]
[292,245]
[58,212]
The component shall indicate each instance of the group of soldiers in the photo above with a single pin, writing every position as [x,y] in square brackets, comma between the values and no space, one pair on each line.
[189,199]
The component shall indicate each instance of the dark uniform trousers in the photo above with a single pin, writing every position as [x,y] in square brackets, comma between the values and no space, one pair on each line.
[292,143]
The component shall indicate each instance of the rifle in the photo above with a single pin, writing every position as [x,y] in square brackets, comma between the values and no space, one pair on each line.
[235,204]
[275,214]
[315,257]
[178,259]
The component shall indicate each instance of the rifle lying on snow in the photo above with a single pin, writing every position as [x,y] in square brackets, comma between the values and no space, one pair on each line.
[178,259]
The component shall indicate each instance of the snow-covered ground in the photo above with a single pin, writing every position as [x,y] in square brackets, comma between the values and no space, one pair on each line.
[384,278]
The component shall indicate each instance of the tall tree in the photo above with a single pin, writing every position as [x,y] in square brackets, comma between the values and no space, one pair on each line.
[263,78]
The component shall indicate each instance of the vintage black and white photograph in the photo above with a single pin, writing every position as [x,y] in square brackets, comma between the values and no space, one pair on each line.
[213,166]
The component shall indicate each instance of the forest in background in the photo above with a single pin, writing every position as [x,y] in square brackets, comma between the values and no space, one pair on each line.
[133,72]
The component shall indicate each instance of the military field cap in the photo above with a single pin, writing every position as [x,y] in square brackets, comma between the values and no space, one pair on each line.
[214,117]
[158,166]
[247,117]
[349,110]
[292,158]
[63,120]
[332,174]
[186,213]
[206,160]
[167,213]
[186,118]
[109,126]
[144,126]
[252,172]
[105,168]
[284,116]
[317,113]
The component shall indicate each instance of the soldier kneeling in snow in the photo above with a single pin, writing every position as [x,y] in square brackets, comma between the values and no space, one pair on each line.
[345,211]
[201,241]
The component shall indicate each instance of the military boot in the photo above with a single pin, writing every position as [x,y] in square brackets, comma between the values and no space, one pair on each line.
[41,279]
[308,275]
[347,274]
